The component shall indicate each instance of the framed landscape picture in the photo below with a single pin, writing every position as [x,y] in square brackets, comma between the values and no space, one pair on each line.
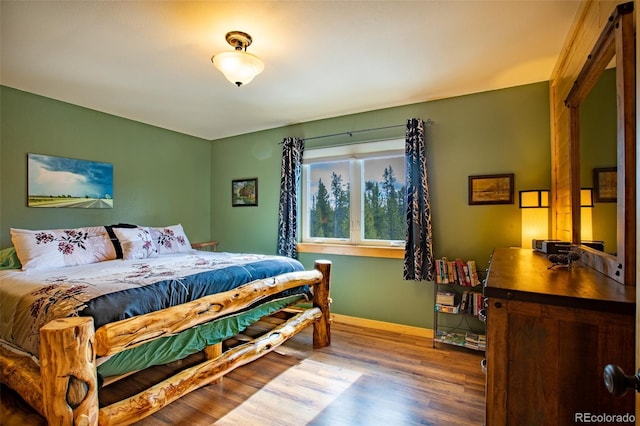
[68,182]
[605,185]
[491,189]
[244,192]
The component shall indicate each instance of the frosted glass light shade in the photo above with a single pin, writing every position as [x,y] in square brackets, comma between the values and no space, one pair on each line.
[534,205]
[534,198]
[239,67]
[586,215]
[586,197]
[535,225]
[586,224]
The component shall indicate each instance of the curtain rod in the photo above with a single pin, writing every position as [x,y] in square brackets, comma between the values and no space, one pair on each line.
[428,122]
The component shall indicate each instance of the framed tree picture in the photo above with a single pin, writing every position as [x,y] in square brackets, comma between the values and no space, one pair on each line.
[244,192]
[491,189]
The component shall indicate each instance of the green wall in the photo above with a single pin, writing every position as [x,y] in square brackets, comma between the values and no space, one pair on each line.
[503,131]
[160,177]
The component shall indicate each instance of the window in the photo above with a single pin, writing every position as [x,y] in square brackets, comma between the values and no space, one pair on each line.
[355,194]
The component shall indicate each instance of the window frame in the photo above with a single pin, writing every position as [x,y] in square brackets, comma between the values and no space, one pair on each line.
[356,153]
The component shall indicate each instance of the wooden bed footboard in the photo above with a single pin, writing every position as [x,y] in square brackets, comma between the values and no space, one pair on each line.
[65,387]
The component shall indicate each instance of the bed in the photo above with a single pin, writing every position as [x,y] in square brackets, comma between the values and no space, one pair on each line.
[81,308]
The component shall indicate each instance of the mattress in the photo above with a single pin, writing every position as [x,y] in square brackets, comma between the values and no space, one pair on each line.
[118,289]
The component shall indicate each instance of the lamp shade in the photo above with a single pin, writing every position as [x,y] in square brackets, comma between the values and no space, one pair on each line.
[586,214]
[239,67]
[535,198]
[586,197]
[535,215]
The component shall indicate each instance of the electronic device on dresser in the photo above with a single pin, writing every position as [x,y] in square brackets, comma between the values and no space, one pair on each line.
[551,246]
[558,246]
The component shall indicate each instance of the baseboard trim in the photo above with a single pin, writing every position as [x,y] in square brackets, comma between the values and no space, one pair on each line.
[382,325]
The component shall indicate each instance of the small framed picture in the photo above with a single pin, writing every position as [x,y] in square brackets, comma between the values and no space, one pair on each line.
[244,192]
[491,189]
[605,185]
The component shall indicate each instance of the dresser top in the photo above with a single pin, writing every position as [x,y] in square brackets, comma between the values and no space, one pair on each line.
[523,274]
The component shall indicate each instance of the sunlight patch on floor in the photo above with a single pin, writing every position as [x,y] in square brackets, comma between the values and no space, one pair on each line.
[295,397]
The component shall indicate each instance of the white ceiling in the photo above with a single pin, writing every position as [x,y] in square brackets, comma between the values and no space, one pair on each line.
[150,61]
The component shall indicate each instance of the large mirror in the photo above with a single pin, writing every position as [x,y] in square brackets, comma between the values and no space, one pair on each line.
[616,41]
[598,164]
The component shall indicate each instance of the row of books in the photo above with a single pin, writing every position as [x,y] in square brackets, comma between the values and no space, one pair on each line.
[457,272]
[450,338]
[469,339]
[475,341]
[470,303]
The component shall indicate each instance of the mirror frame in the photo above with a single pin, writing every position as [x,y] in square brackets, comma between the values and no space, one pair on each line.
[616,40]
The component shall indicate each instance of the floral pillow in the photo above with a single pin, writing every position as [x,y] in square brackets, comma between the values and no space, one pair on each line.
[137,243]
[170,239]
[57,248]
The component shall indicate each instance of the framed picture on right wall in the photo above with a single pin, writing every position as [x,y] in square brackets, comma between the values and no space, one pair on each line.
[491,189]
[605,185]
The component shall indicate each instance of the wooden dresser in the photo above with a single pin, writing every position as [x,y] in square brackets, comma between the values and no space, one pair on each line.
[550,332]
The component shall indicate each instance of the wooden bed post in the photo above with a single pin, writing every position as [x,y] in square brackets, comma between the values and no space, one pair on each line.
[213,351]
[68,369]
[322,327]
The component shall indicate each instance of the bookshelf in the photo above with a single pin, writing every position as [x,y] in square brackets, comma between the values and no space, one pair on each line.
[458,305]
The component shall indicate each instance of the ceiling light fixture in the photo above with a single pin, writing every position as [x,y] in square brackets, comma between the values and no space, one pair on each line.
[238,66]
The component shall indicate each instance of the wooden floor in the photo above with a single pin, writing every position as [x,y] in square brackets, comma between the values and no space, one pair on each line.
[366,377]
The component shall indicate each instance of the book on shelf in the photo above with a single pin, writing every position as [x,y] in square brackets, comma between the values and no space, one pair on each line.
[462,279]
[453,273]
[442,271]
[479,304]
[473,273]
[447,309]
[439,272]
[445,298]
[464,302]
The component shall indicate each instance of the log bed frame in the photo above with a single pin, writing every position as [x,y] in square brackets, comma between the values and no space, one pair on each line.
[64,388]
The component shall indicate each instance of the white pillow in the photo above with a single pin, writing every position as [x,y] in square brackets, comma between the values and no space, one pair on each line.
[57,248]
[136,243]
[171,239]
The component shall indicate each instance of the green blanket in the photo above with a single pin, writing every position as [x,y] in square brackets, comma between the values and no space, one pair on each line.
[178,346]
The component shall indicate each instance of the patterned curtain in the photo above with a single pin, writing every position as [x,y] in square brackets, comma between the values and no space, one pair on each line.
[292,149]
[419,263]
